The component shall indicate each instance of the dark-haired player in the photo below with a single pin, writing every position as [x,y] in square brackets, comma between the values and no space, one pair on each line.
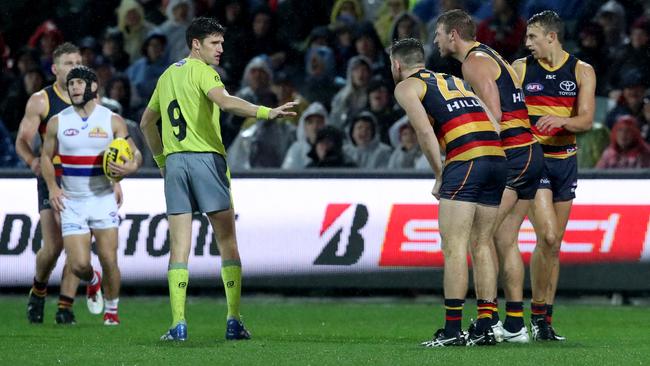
[560,96]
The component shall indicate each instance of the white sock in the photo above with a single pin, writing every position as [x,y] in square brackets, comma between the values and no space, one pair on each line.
[95,279]
[110,306]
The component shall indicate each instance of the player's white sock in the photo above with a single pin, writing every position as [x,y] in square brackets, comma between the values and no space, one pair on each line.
[110,306]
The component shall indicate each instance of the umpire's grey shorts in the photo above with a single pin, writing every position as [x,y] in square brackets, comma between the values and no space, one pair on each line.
[196,182]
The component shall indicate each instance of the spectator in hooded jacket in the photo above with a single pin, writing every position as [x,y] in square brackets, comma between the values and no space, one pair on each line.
[133,26]
[312,120]
[179,16]
[405,143]
[627,150]
[354,96]
[364,147]
[327,151]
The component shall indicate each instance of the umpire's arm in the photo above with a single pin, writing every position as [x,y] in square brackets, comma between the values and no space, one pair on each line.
[240,107]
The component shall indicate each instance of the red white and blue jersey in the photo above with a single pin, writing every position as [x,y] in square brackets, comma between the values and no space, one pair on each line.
[82,142]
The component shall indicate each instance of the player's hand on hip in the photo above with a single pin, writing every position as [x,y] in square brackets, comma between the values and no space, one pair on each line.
[436,189]
[56,199]
[548,123]
[35,166]
[122,170]
[119,195]
[283,110]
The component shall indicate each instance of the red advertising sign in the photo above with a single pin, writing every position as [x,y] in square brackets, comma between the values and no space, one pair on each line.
[595,233]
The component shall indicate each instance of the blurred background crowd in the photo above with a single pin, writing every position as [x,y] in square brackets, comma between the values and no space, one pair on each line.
[331,56]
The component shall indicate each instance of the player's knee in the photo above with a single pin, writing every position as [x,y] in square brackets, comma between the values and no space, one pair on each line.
[79,268]
[549,240]
[452,251]
[49,253]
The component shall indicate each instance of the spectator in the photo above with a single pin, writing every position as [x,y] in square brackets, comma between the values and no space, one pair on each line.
[634,55]
[26,59]
[312,120]
[262,145]
[105,71]
[113,50]
[179,15]
[88,48]
[256,86]
[631,99]
[8,156]
[405,143]
[364,148]
[407,25]
[367,43]
[327,151]
[118,88]
[286,92]
[388,12]
[347,12]
[261,39]
[344,48]
[46,38]
[133,26]
[256,81]
[505,30]
[234,19]
[144,73]
[12,107]
[644,121]
[320,66]
[354,96]
[611,16]
[626,150]
[381,105]
[591,49]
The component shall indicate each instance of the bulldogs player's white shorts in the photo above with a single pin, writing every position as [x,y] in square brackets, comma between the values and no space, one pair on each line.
[82,214]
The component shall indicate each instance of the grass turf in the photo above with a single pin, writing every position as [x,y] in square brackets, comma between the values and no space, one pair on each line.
[309,332]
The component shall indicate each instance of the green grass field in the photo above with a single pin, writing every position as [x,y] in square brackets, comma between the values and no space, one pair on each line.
[309,332]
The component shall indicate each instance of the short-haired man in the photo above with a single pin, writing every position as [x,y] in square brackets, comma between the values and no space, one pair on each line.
[444,112]
[496,83]
[191,156]
[560,96]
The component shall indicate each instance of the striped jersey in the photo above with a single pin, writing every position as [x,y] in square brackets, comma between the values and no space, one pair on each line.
[552,91]
[515,125]
[55,104]
[81,146]
[459,121]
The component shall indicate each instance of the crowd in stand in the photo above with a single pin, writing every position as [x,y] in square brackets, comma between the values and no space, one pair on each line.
[330,56]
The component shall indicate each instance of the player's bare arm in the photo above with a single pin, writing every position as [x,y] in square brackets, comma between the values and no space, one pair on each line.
[47,167]
[480,71]
[583,120]
[240,107]
[34,111]
[408,94]
[152,136]
[130,166]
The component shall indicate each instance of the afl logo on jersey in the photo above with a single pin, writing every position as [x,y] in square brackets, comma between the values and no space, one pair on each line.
[534,87]
[568,86]
[180,63]
[71,132]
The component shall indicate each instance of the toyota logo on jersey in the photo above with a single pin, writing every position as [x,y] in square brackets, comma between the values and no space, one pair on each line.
[567,85]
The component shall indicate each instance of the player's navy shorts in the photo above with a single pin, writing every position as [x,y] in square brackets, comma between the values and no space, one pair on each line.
[196,182]
[561,177]
[44,193]
[525,167]
[480,180]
